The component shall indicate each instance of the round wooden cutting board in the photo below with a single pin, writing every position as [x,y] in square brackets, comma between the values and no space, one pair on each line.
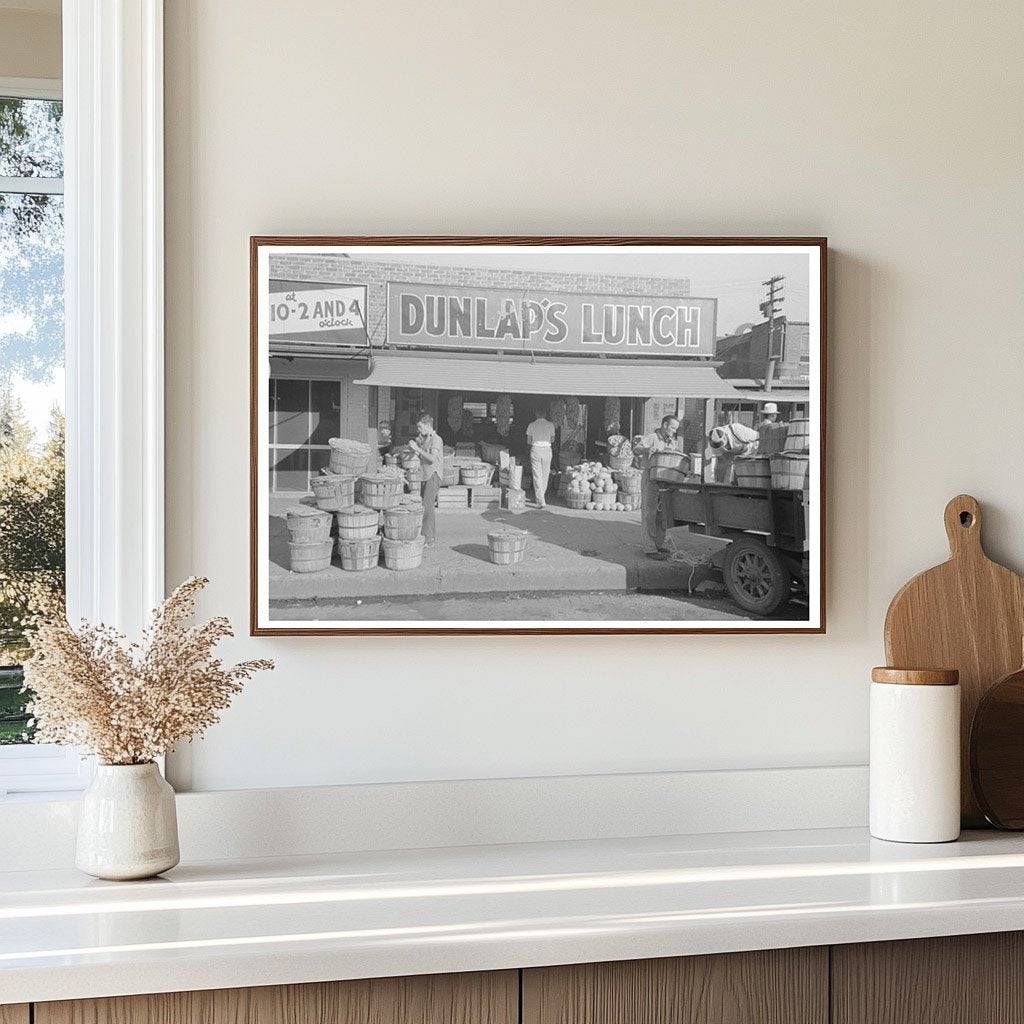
[967,614]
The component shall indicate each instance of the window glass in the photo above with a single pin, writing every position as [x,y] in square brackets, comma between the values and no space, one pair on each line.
[291,469]
[291,416]
[325,408]
[31,138]
[319,458]
[31,387]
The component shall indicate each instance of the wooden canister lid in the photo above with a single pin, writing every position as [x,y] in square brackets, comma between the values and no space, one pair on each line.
[916,676]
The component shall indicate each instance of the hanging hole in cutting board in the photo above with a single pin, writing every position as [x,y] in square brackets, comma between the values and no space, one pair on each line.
[966,519]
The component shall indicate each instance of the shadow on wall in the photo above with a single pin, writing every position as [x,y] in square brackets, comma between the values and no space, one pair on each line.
[854,288]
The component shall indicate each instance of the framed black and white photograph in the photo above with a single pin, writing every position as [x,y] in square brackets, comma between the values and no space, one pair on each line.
[537,435]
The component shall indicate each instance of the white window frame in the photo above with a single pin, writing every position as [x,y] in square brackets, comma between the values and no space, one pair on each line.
[114,322]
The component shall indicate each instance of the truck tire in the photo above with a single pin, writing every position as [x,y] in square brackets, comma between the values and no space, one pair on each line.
[756,578]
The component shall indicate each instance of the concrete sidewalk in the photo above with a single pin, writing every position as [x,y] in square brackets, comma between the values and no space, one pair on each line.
[568,550]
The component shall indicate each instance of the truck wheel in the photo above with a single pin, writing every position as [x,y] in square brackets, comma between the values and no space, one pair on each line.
[755,576]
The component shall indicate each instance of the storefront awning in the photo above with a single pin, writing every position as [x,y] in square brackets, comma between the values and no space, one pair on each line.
[625,378]
[754,391]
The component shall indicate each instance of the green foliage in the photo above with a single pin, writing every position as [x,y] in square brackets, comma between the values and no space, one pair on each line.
[31,544]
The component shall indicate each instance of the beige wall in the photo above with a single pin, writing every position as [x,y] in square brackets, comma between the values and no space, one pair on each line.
[895,129]
[30,43]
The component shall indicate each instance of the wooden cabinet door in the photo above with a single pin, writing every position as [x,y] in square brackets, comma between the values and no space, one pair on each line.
[14,1013]
[779,986]
[960,979]
[481,998]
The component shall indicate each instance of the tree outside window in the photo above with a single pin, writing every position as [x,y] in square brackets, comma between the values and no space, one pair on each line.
[31,387]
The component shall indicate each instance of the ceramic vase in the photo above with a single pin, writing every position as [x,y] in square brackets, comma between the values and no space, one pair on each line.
[127,825]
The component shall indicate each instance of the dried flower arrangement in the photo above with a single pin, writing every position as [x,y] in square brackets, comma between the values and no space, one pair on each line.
[129,703]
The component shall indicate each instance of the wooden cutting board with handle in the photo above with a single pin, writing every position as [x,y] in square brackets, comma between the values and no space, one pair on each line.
[967,614]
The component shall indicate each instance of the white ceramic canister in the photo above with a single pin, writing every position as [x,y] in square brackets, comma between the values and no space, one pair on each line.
[915,755]
[127,825]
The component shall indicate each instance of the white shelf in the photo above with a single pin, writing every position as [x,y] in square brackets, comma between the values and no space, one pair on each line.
[351,915]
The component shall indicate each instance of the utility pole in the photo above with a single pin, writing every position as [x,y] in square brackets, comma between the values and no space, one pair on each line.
[770,309]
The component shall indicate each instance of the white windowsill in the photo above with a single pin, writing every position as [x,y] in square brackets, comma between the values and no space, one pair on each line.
[43,771]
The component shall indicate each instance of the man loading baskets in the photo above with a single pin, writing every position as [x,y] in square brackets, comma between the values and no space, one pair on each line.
[645,445]
[726,443]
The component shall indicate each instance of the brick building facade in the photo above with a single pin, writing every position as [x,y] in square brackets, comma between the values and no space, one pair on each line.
[746,355]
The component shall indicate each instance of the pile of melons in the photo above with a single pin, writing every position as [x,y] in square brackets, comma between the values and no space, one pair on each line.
[594,480]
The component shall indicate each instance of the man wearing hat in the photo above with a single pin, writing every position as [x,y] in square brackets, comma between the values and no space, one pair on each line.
[771,433]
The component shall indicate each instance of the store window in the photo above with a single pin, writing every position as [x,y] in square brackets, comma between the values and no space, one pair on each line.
[304,415]
[32,546]
[739,412]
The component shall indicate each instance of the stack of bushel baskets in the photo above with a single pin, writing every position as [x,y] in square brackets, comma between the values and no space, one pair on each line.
[476,478]
[791,467]
[403,538]
[309,544]
[358,539]
[360,542]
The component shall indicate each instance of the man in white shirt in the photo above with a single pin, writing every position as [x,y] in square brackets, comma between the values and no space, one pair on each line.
[540,436]
[661,440]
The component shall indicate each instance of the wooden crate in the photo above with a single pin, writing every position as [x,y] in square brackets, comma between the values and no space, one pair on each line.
[485,497]
[453,498]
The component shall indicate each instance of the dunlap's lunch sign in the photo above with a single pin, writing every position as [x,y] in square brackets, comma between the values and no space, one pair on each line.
[448,316]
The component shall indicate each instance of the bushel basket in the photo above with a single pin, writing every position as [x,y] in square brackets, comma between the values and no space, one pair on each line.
[629,481]
[506,547]
[359,555]
[403,554]
[798,436]
[381,490]
[402,523]
[307,524]
[312,556]
[476,476]
[790,472]
[349,458]
[357,522]
[754,471]
[333,491]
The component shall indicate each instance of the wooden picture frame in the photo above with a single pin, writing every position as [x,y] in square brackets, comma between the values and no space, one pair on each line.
[301,343]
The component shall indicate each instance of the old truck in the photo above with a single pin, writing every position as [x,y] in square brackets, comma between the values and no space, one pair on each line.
[756,538]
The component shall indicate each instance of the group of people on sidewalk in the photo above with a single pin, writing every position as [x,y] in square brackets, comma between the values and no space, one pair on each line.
[540,436]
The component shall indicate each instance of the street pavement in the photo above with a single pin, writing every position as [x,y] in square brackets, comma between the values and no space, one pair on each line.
[712,604]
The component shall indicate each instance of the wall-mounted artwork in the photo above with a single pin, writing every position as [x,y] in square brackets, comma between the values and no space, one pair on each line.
[537,435]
